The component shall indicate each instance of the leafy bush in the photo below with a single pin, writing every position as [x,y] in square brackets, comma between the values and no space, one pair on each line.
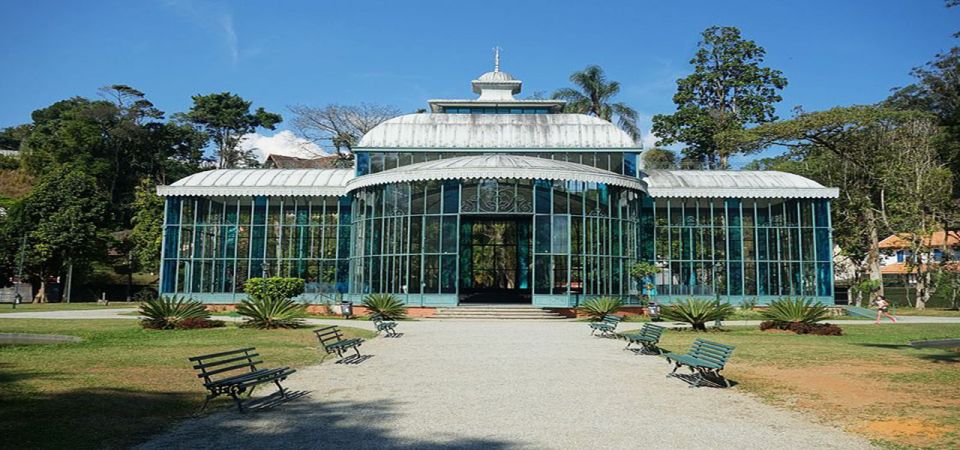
[168,313]
[697,312]
[386,305]
[597,308]
[271,303]
[798,310]
[821,329]
[274,287]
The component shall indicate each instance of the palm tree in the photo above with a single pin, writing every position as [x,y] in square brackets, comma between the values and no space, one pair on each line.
[593,95]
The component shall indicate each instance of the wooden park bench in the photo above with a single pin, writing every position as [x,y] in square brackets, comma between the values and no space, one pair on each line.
[606,326]
[389,328]
[705,360]
[647,337]
[235,371]
[332,341]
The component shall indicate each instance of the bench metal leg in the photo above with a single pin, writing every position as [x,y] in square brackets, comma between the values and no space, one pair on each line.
[283,393]
[205,403]
[236,398]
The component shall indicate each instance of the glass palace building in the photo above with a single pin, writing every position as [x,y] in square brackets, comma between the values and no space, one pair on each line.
[496,199]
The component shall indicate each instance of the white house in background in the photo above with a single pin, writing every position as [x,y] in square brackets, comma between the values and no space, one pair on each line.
[895,252]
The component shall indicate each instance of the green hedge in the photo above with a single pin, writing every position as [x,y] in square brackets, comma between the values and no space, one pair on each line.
[273,288]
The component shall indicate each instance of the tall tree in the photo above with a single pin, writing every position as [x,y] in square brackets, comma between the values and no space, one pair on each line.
[937,90]
[593,95]
[117,140]
[226,118]
[64,221]
[728,90]
[340,126]
[147,233]
[890,179]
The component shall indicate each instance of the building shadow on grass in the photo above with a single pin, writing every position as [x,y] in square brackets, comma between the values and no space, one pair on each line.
[87,418]
[942,355]
[306,421]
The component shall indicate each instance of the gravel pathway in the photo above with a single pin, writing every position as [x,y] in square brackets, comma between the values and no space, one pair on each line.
[502,384]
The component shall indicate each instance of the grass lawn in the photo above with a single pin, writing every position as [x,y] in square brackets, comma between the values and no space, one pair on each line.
[867,381]
[929,312]
[43,307]
[123,383]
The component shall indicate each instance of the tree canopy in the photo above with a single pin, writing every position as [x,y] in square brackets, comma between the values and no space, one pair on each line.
[728,90]
[593,95]
[225,118]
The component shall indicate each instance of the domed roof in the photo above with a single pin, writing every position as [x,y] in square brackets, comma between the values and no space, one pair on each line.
[496,131]
[496,76]
[496,166]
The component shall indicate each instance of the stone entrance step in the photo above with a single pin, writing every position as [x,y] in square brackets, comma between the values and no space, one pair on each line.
[495,312]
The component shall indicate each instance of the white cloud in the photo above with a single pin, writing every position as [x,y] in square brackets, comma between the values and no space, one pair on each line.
[283,143]
[215,18]
[649,140]
[226,22]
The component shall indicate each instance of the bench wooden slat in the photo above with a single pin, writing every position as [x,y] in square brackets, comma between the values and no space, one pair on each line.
[242,377]
[228,369]
[248,376]
[221,362]
[214,355]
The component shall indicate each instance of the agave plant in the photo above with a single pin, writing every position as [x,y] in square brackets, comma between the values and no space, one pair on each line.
[167,313]
[597,308]
[271,312]
[697,312]
[796,310]
[386,305]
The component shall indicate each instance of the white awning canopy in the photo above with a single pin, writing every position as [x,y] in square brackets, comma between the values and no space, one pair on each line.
[495,166]
[250,182]
[733,184]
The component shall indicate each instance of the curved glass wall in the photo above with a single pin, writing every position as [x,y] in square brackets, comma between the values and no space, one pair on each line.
[740,248]
[623,163]
[213,245]
[551,243]
[432,241]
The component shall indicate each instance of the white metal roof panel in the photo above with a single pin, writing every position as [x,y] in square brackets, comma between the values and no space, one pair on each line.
[243,182]
[733,184]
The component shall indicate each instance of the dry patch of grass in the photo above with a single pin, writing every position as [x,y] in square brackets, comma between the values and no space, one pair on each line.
[869,381]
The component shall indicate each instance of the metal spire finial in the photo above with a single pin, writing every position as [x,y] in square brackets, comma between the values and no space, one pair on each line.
[496,59]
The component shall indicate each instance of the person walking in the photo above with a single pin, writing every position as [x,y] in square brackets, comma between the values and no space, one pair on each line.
[883,309]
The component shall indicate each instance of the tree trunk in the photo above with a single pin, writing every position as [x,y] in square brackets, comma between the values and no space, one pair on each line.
[873,256]
[923,290]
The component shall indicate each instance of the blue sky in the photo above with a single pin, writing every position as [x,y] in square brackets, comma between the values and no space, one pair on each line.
[403,53]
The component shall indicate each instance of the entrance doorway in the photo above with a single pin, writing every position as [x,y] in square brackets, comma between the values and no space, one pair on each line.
[495,260]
